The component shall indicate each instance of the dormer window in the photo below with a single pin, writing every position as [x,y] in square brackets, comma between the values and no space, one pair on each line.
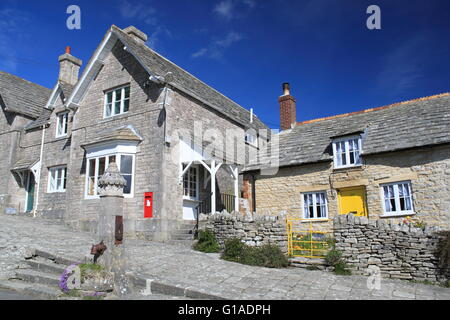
[347,151]
[117,101]
[251,139]
[61,124]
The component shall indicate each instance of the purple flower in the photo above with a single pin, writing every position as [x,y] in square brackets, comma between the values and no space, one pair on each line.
[65,276]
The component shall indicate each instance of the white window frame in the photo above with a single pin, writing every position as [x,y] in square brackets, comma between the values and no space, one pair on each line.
[62,121]
[113,101]
[251,139]
[58,170]
[314,193]
[347,151]
[397,199]
[197,171]
[118,162]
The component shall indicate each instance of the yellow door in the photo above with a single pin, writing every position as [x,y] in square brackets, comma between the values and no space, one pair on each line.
[352,200]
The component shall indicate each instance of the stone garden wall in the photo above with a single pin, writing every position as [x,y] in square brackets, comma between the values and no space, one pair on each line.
[400,251]
[253,229]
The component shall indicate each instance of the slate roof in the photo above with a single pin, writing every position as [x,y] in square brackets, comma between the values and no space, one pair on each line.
[22,96]
[161,66]
[24,164]
[46,113]
[43,119]
[410,124]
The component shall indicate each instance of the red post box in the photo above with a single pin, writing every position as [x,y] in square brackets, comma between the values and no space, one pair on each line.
[148,204]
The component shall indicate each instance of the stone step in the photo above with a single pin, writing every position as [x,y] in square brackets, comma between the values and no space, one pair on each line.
[58,259]
[182,237]
[32,289]
[46,266]
[38,277]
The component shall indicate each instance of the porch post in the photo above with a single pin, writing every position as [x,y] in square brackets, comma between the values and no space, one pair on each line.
[236,188]
[213,186]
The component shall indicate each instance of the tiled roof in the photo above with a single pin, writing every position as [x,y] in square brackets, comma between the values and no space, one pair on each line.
[22,96]
[161,66]
[410,124]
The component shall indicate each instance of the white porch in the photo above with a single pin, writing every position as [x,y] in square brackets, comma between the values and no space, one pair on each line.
[203,196]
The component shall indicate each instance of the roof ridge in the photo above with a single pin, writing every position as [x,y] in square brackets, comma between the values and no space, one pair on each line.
[376,108]
[184,70]
[24,80]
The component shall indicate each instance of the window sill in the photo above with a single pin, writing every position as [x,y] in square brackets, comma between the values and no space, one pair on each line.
[56,191]
[114,117]
[308,220]
[355,167]
[125,196]
[396,215]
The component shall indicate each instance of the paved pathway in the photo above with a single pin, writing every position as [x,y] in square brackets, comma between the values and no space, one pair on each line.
[182,266]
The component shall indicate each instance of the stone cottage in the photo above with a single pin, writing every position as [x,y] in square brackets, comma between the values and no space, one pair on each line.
[391,162]
[165,129]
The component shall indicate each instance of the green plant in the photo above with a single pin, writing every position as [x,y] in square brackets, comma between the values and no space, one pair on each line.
[233,249]
[334,259]
[268,255]
[89,267]
[207,242]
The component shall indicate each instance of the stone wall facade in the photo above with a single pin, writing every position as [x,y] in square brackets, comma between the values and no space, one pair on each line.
[401,251]
[428,170]
[252,229]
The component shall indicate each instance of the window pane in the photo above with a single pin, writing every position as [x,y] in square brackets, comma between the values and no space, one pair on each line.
[126,164]
[117,107]
[109,97]
[101,166]
[126,105]
[127,92]
[65,125]
[52,180]
[108,110]
[91,167]
[127,188]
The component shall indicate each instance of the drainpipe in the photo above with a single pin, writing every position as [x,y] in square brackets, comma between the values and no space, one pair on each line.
[38,180]
[253,193]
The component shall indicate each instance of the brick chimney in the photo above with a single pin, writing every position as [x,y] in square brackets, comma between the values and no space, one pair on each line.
[287,108]
[69,67]
[137,35]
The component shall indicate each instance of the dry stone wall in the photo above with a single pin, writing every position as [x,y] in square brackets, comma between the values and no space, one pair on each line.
[400,250]
[253,229]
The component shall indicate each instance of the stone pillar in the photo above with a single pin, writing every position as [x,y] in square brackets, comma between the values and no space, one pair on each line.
[110,226]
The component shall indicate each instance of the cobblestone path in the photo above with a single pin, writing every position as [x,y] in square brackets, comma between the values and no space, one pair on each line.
[182,266]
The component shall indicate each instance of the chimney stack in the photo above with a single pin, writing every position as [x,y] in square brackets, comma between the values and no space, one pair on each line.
[137,35]
[69,67]
[288,109]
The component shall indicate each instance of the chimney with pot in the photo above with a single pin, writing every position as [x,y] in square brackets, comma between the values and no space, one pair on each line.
[287,108]
[136,34]
[69,67]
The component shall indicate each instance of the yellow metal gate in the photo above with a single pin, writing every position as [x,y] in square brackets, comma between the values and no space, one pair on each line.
[305,241]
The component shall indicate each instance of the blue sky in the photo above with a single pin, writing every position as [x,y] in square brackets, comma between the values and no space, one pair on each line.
[247,48]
